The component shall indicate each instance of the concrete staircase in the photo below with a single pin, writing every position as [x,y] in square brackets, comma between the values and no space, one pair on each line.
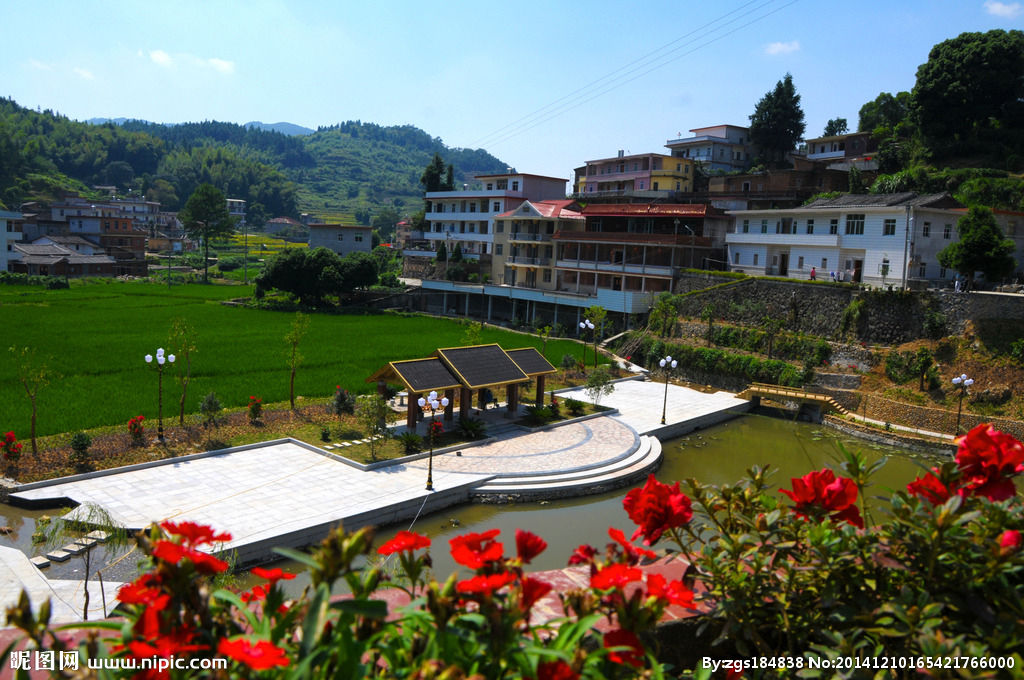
[625,470]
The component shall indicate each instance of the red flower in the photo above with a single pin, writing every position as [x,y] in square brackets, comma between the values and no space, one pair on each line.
[930,488]
[257,593]
[203,562]
[194,534]
[477,550]
[1010,542]
[556,670]
[634,652]
[615,576]
[404,541]
[531,590]
[144,590]
[820,491]
[529,545]
[272,575]
[988,458]
[673,592]
[258,657]
[584,554]
[633,553]
[485,585]
[656,508]
[166,646]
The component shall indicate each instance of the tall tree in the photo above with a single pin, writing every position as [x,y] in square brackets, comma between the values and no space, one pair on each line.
[34,373]
[885,110]
[433,175]
[300,324]
[205,217]
[981,247]
[777,123]
[183,344]
[969,84]
[835,126]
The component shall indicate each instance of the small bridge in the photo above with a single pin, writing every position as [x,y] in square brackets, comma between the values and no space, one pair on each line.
[810,404]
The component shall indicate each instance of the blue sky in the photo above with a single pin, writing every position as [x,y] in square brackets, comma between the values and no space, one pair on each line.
[542,85]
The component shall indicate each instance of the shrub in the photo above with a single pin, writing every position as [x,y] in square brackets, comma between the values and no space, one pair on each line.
[1017,350]
[255,410]
[575,406]
[411,442]
[538,415]
[343,402]
[325,434]
[137,430]
[11,448]
[210,407]
[472,428]
[934,325]
[80,444]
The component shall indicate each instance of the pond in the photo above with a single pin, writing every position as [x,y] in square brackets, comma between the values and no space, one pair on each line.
[717,455]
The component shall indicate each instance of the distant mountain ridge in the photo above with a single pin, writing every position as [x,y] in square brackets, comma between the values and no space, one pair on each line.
[283,127]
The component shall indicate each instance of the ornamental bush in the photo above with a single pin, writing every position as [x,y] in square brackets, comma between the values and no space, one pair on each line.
[785,579]
[11,448]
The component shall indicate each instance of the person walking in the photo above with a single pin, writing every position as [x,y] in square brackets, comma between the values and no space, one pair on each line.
[814,274]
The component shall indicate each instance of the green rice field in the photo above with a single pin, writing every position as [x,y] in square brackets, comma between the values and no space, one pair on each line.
[96,334]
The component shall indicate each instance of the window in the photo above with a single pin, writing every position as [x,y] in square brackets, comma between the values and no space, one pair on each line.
[472,207]
[686,169]
[926,230]
[889,228]
[800,262]
[764,226]
[855,223]
[547,276]
[735,258]
[497,206]
[824,263]
[501,227]
[746,226]
[775,260]
[677,186]
[499,248]
[655,186]
[922,270]
[515,185]
[525,208]
[810,226]
[359,238]
[755,259]
[947,231]
[833,226]
[341,237]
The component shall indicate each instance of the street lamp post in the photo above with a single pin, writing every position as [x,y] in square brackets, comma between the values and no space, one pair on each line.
[667,364]
[963,382]
[586,325]
[160,360]
[433,404]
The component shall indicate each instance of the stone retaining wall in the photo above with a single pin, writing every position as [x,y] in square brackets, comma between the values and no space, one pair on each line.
[893,438]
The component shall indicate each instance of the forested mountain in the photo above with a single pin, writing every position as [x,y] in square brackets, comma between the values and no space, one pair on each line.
[346,170]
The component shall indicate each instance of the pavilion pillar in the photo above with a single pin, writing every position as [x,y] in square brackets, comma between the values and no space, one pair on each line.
[465,403]
[513,399]
[540,390]
[382,389]
[410,413]
[449,410]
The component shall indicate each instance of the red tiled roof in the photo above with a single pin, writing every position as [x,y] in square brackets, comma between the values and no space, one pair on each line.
[651,209]
[553,209]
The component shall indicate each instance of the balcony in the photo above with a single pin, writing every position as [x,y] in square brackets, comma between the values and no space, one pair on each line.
[457,236]
[526,236]
[819,240]
[529,261]
[617,267]
[468,195]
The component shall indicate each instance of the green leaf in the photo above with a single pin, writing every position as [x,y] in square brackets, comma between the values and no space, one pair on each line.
[375,609]
[299,556]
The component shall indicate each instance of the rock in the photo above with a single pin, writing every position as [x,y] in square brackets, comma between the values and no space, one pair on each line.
[5,530]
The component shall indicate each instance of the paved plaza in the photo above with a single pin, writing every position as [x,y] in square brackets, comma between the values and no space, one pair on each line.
[290,494]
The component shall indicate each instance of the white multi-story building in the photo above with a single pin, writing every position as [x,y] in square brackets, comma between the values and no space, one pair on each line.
[10,233]
[466,216]
[717,147]
[870,238]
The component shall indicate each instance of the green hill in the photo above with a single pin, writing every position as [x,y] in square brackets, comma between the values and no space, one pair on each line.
[352,168]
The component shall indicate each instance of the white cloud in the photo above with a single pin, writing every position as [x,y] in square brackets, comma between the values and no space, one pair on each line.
[776,48]
[39,65]
[221,65]
[82,73]
[1002,9]
[162,58]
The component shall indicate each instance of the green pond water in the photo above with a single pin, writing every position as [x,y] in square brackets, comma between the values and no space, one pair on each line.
[717,455]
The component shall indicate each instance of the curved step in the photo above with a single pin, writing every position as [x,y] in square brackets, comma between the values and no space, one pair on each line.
[640,452]
[636,467]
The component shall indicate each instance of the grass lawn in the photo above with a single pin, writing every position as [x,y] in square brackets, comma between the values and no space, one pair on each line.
[95,335]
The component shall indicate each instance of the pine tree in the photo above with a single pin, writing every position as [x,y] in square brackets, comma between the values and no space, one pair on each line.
[777,123]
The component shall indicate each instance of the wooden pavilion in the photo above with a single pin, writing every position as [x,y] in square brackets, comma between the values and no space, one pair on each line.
[478,368]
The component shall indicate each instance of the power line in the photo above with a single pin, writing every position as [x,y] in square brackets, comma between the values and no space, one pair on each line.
[555,109]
